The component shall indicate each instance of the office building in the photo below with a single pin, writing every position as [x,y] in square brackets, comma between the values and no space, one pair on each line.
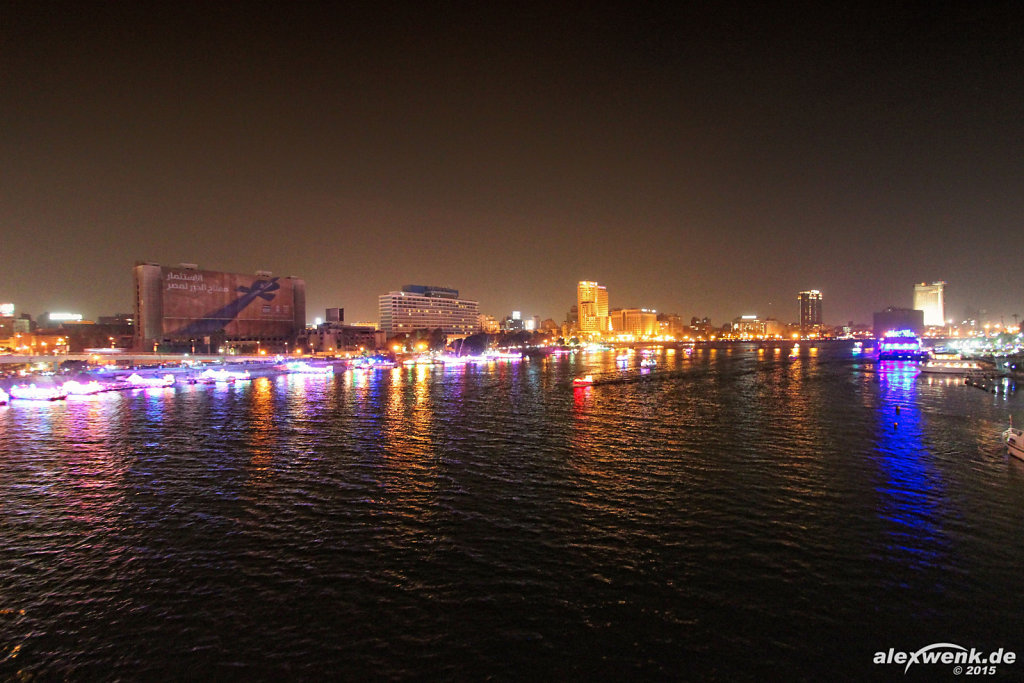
[182,307]
[423,307]
[810,310]
[931,300]
[592,308]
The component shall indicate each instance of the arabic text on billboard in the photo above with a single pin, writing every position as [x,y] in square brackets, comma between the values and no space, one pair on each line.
[202,302]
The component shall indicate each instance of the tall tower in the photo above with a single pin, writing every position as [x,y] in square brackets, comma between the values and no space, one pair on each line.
[810,310]
[592,303]
[932,300]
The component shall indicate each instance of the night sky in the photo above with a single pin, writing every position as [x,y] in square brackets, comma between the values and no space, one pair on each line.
[714,159]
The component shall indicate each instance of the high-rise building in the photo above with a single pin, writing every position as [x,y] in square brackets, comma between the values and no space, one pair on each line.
[592,304]
[183,307]
[931,299]
[810,310]
[422,307]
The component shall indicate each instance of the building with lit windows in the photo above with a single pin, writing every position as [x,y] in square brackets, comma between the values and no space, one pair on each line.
[423,307]
[638,322]
[488,324]
[754,327]
[810,310]
[592,308]
[931,300]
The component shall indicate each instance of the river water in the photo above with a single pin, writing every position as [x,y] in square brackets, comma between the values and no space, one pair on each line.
[749,516]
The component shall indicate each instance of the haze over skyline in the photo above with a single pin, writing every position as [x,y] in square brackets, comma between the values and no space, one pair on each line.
[707,160]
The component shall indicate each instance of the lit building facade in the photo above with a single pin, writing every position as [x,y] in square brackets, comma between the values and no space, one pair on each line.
[748,326]
[423,307]
[183,307]
[810,310]
[638,322]
[592,308]
[931,299]
[337,337]
[488,324]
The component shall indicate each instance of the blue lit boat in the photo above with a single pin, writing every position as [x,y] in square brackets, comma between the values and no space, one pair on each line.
[901,345]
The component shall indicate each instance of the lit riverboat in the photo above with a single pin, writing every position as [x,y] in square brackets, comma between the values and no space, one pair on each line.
[32,392]
[952,364]
[901,345]
[223,376]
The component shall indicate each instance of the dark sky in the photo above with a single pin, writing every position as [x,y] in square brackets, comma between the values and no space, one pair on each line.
[713,159]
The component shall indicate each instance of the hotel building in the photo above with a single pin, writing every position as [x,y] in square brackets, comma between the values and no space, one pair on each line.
[592,307]
[423,307]
[639,322]
[931,300]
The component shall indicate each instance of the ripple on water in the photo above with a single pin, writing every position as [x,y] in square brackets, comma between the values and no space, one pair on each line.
[497,522]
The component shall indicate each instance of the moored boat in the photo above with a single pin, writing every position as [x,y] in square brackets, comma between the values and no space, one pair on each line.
[585,381]
[953,364]
[303,368]
[76,388]
[32,392]
[212,376]
[1014,440]
[901,345]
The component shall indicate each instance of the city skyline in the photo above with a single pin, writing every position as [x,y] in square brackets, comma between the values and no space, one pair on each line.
[698,161]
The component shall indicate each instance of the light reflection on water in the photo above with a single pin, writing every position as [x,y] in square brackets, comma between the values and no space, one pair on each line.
[910,493]
[470,521]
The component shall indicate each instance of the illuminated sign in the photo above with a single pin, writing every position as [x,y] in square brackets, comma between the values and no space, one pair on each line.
[65,317]
[201,302]
[7,310]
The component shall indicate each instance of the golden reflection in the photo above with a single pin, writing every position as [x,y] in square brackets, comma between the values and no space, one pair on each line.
[262,432]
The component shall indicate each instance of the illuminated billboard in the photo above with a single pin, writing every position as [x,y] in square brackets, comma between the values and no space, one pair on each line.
[198,302]
[179,303]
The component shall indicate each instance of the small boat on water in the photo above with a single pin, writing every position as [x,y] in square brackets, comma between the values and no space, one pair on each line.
[1014,440]
[583,381]
[4,398]
[953,364]
[223,376]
